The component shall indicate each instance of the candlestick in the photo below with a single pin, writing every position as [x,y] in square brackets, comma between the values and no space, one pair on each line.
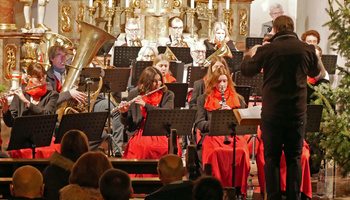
[90,3]
[227,4]
[110,13]
[128,12]
[192,11]
[227,13]
[192,4]
[210,17]
[91,10]
[210,5]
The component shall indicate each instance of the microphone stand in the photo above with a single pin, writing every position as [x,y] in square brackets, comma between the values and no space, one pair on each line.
[110,151]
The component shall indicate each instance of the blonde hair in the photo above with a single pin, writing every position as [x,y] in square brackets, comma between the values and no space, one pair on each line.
[217,26]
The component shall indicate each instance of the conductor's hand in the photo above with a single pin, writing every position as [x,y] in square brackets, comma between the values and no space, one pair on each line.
[124,109]
[79,96]
[4,104]
[138,100]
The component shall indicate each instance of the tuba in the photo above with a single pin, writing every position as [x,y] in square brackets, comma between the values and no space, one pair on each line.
[169,53]
[91,40]
[223,51]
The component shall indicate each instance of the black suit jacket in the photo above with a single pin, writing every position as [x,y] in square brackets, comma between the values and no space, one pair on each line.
[63,96]
[181,191]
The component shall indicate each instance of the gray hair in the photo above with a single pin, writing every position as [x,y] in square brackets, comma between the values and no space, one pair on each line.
[276,6]
[197,45]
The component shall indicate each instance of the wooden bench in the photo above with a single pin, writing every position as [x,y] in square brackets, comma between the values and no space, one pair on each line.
[131,166]
[140,185]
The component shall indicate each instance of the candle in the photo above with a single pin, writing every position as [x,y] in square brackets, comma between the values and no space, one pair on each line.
[127,3]
[227,4]
[110,3]
[192,4]
[90,3]
[210,5]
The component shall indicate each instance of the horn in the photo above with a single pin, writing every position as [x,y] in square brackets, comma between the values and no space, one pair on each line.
[223,51]
[169,53]
[91,40]
[50,39]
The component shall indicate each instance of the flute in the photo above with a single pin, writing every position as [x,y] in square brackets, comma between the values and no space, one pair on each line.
[132,101]
[12,93]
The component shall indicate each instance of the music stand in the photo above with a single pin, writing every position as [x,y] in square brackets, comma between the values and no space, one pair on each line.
[234,62]
[195,73]
[169,122]
[252,41]
[32,131]
[224,122]
[181,53]
[115,80]
[330,63]
[104,50]
[243,90]
[89,79]
[314,115]
[255,82]
[177,69]
[138,69]
[180,91]
[90,123]
[124,55]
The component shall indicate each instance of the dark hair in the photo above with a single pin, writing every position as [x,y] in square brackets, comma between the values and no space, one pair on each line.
[115,184]
[36,70]
[74,144]
[313,33]
[208,188]
[146,80]
[283,23]
[88,169]
[54,50]
[170,22]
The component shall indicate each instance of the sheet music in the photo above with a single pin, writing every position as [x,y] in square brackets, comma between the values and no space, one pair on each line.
[250,113]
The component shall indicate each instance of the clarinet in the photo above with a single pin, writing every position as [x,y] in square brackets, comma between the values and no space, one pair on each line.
[223,103]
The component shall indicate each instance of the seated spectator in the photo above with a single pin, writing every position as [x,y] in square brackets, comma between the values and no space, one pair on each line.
[171,170]
[311,37]
[115,184]
[74,144]
[85,176]
[208,188]
[27,183]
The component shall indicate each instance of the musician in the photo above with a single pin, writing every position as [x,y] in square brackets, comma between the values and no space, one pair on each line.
[131,37]
[133,116]
[199,85]
[198,54]
[219,35]
[215,152]
[175,39]
[147,53]
[161,62]
[37,101]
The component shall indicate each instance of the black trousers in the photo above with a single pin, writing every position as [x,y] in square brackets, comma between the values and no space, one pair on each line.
[287,134]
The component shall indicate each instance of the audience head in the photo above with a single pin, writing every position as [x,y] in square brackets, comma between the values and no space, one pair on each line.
[88,169]
[115,184]
[147,53]
[132,28]
[170,168]
[74,143]
[57,56]
[176,27]
[208,188]
[27,181]
[276,10]
[311,37]
[220,79]
[219,33]
[216,62]
[198,51]
[283,23]
[161,62]
[150,79]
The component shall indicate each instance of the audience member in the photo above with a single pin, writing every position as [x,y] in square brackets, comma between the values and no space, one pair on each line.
[171,171]
[276,10]
[74,143]
[115,184]
[27,183]
[208,188]
[85,176]
[311,37]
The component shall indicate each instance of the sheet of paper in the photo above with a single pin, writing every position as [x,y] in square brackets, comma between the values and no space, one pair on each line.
[250,113]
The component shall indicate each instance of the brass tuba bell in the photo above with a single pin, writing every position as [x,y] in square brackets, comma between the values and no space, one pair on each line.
[169,53]
[91,40]
[223,51]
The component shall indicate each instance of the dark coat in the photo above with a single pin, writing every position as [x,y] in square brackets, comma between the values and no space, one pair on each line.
[198,89]
[63,96]
[181,191]
[211,46]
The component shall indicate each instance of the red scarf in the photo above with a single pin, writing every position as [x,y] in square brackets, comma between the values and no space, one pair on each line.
[58,85]
[36,92]
[311,80]
[213,100]
[169,78]
[152,99]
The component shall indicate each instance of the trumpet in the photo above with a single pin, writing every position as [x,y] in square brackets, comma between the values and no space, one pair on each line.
[132,101]
[223,103]
[14,91]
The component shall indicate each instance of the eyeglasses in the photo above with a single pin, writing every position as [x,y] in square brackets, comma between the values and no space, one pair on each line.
[276,13]
[200,51]
[177,28]
[60,56]
[133,30]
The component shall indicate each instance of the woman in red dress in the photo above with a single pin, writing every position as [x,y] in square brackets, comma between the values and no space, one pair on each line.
[162,63]
[133,116]
[215,152]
